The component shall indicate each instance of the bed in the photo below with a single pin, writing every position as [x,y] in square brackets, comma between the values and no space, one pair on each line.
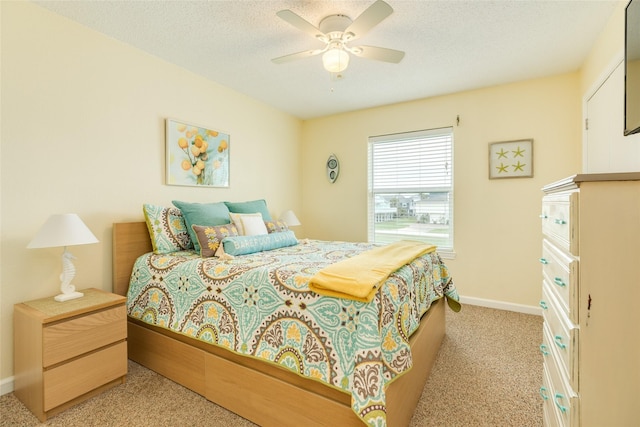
[279,384]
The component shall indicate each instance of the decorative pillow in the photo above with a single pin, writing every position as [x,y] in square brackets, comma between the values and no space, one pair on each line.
[210,237]
[276,226]
[242,245]
[253,225]
[202,214]
[250,207]
[167,229]
[236,218]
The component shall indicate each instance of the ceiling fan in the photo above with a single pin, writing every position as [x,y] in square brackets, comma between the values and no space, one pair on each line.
[337,31]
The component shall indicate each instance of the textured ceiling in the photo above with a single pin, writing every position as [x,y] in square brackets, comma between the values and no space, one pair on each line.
[450,46]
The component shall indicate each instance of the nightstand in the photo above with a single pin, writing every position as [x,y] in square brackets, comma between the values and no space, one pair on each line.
[67,352]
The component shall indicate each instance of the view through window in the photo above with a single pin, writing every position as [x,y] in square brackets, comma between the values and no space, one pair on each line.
[411,187]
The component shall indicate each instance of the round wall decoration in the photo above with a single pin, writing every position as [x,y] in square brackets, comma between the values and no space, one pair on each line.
[333,168]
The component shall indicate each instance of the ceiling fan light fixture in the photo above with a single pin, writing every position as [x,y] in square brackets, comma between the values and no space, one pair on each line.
[337,32]
[335,60]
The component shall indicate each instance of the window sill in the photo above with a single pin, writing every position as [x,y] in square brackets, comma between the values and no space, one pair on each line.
[447,254]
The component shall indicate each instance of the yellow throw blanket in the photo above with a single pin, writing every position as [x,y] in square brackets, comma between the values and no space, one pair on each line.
[359,277]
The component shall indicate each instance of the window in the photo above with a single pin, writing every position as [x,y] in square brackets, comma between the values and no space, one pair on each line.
[411,187]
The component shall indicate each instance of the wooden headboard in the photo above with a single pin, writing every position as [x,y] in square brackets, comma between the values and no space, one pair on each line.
[130,240]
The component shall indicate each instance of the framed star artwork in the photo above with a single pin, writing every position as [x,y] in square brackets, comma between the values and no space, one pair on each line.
[511,159]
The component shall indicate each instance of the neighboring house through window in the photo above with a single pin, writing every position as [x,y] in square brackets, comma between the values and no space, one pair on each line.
[411,188]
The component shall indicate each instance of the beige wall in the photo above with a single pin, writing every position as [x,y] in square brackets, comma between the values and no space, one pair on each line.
[606,52]
[83,131]
[497,228]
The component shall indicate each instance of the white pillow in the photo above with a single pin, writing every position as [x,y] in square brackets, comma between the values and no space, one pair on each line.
[253,225]
[237,221]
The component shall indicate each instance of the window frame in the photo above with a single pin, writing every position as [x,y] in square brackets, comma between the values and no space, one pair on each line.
[445,251]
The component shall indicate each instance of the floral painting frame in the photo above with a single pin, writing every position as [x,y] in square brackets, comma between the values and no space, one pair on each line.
[196,156]
[511,159]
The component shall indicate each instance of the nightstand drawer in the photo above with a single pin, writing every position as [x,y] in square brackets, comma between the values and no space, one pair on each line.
[71,338]
[66,352]
[66,382]
[560,220]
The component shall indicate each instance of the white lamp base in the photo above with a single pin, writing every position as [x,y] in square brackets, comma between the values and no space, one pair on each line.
[67,297]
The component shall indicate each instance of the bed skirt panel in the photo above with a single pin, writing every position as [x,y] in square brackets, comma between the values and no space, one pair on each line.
[254,389]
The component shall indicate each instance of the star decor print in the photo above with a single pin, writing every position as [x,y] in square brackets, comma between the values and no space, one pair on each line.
[502,168]
[511,159]
[518,152]
[518,166]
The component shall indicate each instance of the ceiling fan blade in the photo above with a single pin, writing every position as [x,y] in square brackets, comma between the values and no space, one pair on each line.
[300,23]
[295,56]
[371,17]
[378,53]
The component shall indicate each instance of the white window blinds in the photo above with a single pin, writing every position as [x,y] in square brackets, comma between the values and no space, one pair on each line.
[411,187]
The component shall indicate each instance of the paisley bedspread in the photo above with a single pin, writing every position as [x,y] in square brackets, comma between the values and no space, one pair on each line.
[259,305]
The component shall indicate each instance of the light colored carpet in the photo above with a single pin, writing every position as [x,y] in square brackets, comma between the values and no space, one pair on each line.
[488,373]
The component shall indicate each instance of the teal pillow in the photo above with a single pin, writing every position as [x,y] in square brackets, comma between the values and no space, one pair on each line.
[243,245]
[250,207]
[202,214]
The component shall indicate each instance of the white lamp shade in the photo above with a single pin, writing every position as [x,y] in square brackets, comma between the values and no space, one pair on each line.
[62,230]
[335,60]
[289,218]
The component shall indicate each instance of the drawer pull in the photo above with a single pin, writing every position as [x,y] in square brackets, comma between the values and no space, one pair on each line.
[560,221]
[558,281]
[543,304]
[543,350]
[543,261]
[560,396]
[559,343]
[542,393]
[544,216]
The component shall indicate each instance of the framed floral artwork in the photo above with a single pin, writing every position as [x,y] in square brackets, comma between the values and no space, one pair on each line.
[196,156]
[511,159]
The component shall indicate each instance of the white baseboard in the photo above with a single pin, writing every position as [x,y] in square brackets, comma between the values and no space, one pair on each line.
[6,386]
[501,305]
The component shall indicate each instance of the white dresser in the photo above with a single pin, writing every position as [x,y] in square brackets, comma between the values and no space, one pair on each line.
[591,301]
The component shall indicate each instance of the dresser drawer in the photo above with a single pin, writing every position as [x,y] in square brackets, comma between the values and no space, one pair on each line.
[70,380]
[563,337]
[70,338]
[560,219]
[549,415]
[561,271]
[547,342]
[564,400]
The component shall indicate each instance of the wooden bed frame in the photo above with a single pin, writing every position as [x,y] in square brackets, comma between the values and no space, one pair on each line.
[260,392]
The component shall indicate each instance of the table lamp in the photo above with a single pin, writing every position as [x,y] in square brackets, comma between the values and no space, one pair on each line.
[64,230]
[289,218]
